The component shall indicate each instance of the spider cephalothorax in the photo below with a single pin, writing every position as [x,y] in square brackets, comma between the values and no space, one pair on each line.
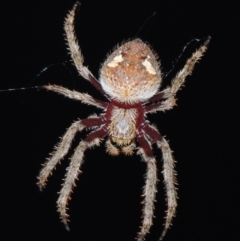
[130,78]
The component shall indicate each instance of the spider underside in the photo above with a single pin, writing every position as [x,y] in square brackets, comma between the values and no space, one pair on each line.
[130,78]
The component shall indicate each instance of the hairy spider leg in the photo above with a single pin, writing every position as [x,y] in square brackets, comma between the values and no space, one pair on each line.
[177,82]
[149,189]
[72,94]
[62,148]
[169,174]
[75,50]
[73,170]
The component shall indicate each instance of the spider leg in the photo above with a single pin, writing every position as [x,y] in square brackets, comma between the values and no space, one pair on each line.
[84,98]
[128,150]
[160,95]
[170,181]
[169,174]
[75,51]
[177,83]
[62,148]
[111,149]
[149,190]
[74,169]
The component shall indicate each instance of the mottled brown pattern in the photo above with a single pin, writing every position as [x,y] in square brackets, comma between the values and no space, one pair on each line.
[130,80]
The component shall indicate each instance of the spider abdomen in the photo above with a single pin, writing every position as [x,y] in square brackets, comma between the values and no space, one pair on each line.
[131,73]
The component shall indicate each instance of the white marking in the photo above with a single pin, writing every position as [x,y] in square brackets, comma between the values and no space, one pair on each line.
[149,67]
[115,61]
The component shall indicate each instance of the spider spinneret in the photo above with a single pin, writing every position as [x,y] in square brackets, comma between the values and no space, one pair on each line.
[130,78]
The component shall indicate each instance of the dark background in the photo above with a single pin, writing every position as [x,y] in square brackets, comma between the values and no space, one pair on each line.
[203,129]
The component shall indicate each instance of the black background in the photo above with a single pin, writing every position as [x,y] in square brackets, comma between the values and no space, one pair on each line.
[203,129]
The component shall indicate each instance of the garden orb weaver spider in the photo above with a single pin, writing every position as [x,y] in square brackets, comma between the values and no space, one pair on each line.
[130,78]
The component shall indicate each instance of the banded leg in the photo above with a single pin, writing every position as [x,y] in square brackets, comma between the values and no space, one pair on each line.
[62,148]
[177,83]
[60,151]
[150,189]
[169,174]
[83,97]
[74,169]
[179,79]
[170,181]
[161,95]
[75,50]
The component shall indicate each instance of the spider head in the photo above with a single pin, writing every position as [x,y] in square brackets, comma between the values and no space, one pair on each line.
[131,73]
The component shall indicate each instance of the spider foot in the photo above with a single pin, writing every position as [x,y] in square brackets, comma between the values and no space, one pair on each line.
[111,149]
[63,215]
[128,150]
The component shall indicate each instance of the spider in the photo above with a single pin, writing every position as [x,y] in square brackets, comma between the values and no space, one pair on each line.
[130,78]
